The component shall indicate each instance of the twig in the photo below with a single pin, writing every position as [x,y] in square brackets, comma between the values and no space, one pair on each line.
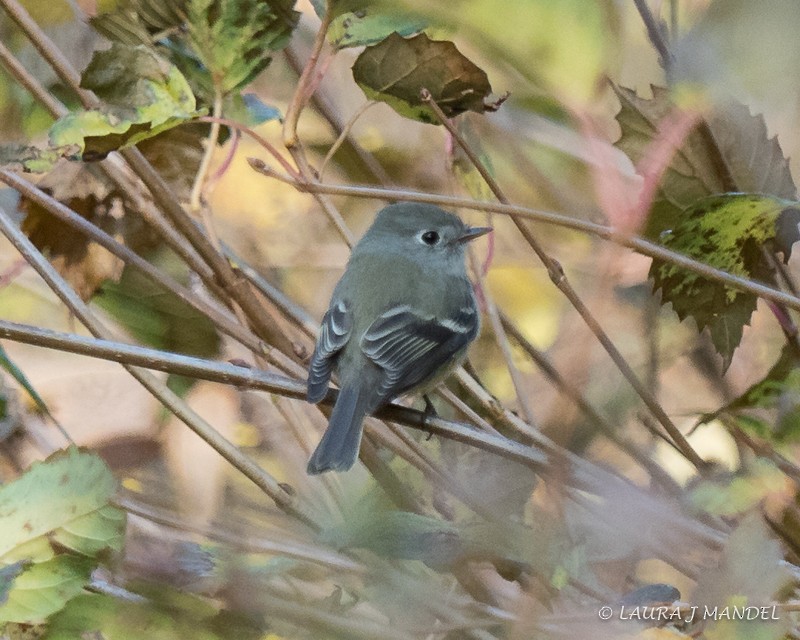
[324,106]
[638,244]
[259,139]
[176,405]
[208,153]
[502,341]
[559,279]
[49,51]
[301,94]
[629,448]
[21,75]
[343,135]
[655,34]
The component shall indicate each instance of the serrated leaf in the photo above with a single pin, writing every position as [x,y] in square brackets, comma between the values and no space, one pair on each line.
[233,38]
[143,95]
[51,495]
[370,25]
[778,390]
[755,161]
[44,588]
[140,21]
[728,232]
[397,69]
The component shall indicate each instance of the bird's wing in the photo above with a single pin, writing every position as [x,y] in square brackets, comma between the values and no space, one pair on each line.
[411,350]
[337,325]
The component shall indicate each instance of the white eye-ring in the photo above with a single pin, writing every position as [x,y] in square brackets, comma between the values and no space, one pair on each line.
[429,237]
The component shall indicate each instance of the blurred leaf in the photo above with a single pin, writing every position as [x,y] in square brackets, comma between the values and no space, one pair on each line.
[33,159]
[755,161]
[396,70]
[157,317]
[729,232]
[249,110]
[463,169]
[565,46]
[370,25]
[44,588]
[402,535]
[751,568]
[650,595]
[233,38]
[779,389]
[143,95]
[116,619]
[59,494]
[135,22]
[738,47]
[84,264]
[729,496]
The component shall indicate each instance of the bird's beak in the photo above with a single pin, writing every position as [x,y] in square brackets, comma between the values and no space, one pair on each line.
[473,232]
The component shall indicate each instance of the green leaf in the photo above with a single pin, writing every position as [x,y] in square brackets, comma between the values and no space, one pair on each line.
[755,161]
[370,25]
[249,110]
[140,21]
[143,95]
[778,390]
[54,496]
[233,38]
[116,619]
[396,70]
[729,496]
[44,588]
[728,232]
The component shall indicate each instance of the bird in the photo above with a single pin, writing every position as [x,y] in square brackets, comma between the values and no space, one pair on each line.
[399,321]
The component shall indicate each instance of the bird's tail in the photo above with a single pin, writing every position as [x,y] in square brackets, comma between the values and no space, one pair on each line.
[338,449]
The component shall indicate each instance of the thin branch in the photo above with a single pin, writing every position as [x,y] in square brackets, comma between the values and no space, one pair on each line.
[637,243]
[631,449]
[654,32]
[208,154]
[502,341]
[343,135]
[325,106]
[21,75]
[302,94]
[259,139]
[559,279]
[49,51]
[176,405]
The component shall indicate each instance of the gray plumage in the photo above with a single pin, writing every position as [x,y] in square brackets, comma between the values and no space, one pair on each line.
[400,319]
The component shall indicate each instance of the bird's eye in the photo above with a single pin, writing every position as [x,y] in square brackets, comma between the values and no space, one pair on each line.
[430,237]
